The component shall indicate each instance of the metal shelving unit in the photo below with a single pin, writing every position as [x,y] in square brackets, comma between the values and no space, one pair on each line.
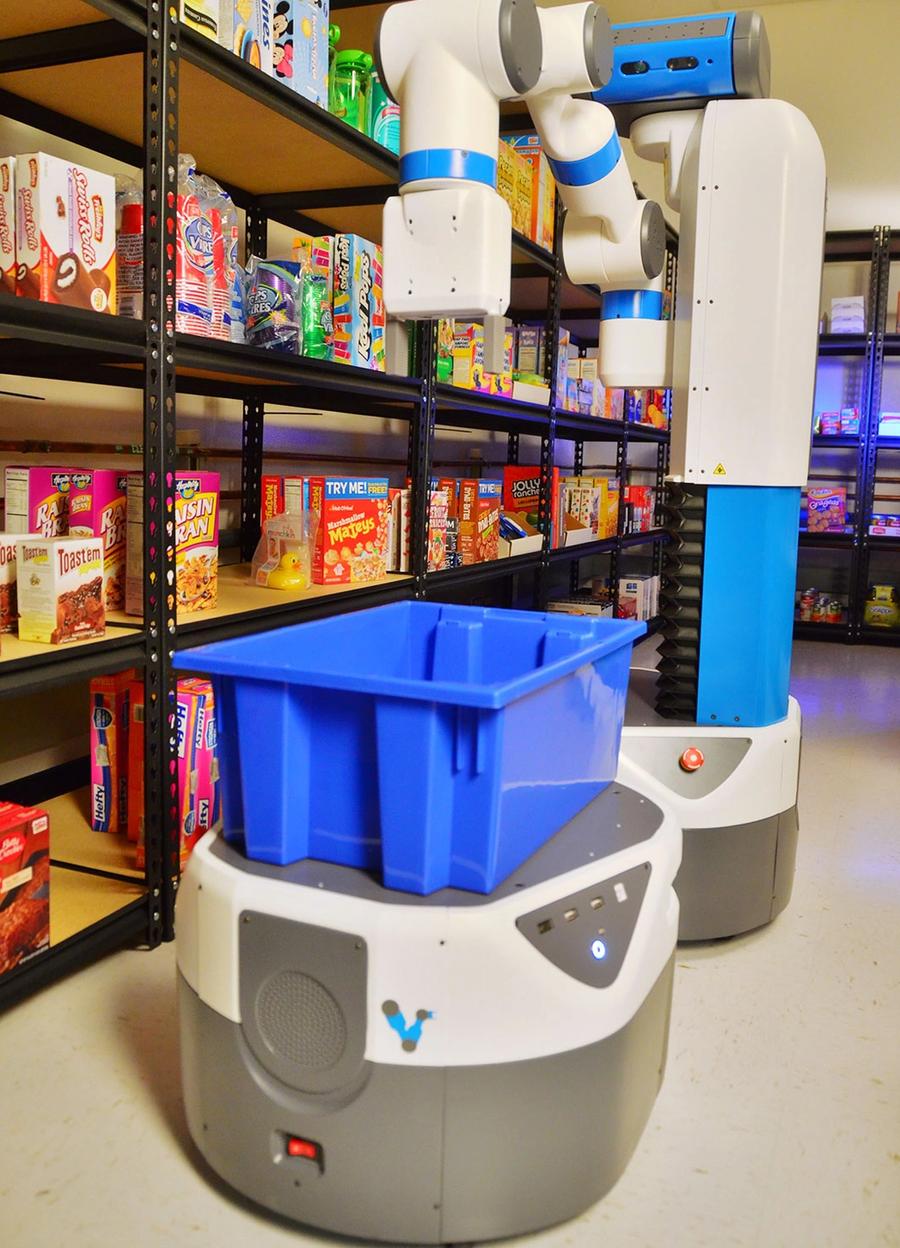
[124,79]
[878,247]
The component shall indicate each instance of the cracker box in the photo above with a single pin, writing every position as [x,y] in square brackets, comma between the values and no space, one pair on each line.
[271,498]
[24,884]
[542,226]
[135,773]
[8,224]
[468,362]
[359,318]
[60,589]
[65,233]
[352,534]
[479,521]
[300,47]
[110,716]
[9,611]
[37,501]
[245,28]
[97,507]
[827,509]
[196,541]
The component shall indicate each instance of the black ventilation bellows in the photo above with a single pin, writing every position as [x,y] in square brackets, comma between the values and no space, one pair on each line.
[681,599]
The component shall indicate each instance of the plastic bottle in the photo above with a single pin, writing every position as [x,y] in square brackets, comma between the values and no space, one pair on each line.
[352,70]
[382,115]
[234,273]
[334,38]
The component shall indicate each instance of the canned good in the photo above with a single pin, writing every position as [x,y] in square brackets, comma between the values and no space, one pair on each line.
[818,612]
[807,602]
[834,612]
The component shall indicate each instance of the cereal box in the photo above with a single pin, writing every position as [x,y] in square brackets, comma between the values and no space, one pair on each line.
[468,362]
[359,318]
[60,589]
[8,224]
[352,534]
[245,28]
[479,521]
[271,498]
[135,771]
[437,530]
[296,495]
[97,504]
[65,233]
[196,541]
[827,509]
[24,884]
[514,184]
[37,501]
[9,612]
[300,47]
[543,190]
[110,718]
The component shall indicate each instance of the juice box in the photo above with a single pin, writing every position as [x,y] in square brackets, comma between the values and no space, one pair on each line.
[110,719]
[8,224]
[827,509]
[245,28]
[135,770]
[352,534]
[60,589]
[65,233]
[24,884]
[359,317]
[542,226]
[479,520]
[97,507]
[300,47]
[196,541]
[37,501]
[9,611]
[468,362]
[271,498]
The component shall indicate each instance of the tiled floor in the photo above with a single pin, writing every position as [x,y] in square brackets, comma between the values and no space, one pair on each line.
[778,1125]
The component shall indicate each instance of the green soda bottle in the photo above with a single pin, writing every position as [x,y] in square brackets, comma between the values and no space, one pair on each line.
[383,115]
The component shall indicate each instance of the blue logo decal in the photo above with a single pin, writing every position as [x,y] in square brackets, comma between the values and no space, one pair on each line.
[409,1034]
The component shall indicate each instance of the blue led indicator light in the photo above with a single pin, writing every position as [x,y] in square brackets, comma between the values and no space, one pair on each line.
[598,950]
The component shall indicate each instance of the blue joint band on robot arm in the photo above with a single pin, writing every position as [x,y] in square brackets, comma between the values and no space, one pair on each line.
[448,162]
[632,305]
[589,169]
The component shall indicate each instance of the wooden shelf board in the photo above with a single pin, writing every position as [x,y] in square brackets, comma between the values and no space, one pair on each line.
[73,840]
[12,649]
[78,900]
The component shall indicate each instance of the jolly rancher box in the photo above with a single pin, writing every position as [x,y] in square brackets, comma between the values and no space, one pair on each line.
[352,532]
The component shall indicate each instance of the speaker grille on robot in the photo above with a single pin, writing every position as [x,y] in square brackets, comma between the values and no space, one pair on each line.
[300,1020]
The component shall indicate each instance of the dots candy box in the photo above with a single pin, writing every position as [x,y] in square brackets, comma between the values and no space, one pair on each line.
[359,318]
[65,233]
[352,533]
[196,541]
[60,589]
[97,508]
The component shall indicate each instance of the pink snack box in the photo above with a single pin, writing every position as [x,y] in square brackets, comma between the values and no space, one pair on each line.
[197,763]
[97,509]
[8,224]
[37,501]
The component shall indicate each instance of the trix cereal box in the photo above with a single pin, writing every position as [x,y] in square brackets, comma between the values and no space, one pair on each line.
[352,534]
[97,503]
[65,233]
[37,501]
[479,521]
[359,319]
[60,589]
[24,884]
[8,224]
[9,612]
[196,541]
[827,509]
[110,715]
[468,362]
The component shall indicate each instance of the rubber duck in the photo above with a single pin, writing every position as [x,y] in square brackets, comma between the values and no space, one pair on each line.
[288,574]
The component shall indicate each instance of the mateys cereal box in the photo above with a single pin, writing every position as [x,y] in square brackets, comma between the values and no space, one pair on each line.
[352,534]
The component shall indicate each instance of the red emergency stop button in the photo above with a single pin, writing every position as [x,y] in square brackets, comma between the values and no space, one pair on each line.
[306,1149]
[691,760]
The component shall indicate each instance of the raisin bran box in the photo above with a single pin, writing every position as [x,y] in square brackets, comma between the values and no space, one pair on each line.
[24,884]
[359,318]
[352,533]
[37,501]
[97,507]
[60,589]
[65,233]
[196,542]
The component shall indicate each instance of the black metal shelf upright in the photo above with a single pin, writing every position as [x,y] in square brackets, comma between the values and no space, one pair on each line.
[878,247]
[123,78]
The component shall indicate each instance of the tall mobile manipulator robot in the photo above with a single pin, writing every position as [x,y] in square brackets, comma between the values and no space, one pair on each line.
[712,734]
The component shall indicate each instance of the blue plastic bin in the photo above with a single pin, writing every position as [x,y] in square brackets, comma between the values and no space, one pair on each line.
[439,745]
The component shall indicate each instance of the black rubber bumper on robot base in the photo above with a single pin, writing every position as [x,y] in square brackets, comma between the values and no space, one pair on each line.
[428,1155]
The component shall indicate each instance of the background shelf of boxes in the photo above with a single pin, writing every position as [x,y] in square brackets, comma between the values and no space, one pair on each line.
[175,407]
[849,570]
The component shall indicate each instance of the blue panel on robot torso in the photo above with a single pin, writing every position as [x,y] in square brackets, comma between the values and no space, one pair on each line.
[747,619]
[686,58]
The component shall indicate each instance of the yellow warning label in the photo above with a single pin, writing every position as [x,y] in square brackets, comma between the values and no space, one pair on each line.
[720,471]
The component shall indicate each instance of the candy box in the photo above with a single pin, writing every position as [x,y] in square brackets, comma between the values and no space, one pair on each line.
[352,534]
[24,884]
[359,317]
[37,501]
[110,718]
[300,47]
[8,224]
[850,421]
[9,612]
[97,507]
[468,362]
[65,233]
[196,542]
[60,589]
[479,521]
[827,509]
